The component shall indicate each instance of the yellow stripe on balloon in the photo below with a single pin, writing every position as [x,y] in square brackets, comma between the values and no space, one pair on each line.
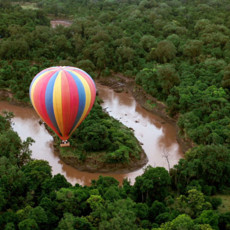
[87,99]
[32,90]
[57,102]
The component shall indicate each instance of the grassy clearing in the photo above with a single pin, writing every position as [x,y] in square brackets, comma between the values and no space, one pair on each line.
[225,206]
[27,5]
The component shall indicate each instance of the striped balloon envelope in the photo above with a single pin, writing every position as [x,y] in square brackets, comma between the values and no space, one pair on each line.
[62,97]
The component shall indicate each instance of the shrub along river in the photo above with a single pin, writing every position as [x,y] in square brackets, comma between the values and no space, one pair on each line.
[158,138]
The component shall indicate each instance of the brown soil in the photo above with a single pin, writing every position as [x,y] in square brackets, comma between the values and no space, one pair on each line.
[5,95]
[57,22]
[93,165]
[120,83]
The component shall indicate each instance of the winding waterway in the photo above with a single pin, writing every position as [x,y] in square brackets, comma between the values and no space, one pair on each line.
[156,136]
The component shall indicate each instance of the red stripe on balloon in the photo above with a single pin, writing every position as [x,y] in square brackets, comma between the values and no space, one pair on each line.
[39,99]
[65,103]
[74,101]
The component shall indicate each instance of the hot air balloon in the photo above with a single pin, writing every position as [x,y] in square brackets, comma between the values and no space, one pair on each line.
[62,96]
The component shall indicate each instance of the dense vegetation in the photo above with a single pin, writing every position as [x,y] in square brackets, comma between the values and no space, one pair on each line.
[179,52]
[31,198]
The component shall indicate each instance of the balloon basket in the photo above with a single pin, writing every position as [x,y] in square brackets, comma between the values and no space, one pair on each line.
[65,144]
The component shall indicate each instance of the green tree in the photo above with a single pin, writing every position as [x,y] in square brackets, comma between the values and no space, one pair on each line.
[39,215]
[95,201]
[226,78]
[36,172]
[14,49]
[168,78]
[72,200]
[197,165]
[193,49]
[224,220]
[181,222]
[142,211]
[123,219]
[50,207]
[193,204]
[68,222]
[112,193]
[82,223]
[88,66]
[148,42]
[152,185]
[156,209]
[165,51]
[28,224]
[209,217]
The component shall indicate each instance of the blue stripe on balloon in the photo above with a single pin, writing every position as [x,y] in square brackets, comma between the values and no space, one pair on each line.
[81,96]
[49,100]
[81,70]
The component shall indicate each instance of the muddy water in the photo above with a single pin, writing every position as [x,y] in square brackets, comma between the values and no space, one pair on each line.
[65,23]
[157,136]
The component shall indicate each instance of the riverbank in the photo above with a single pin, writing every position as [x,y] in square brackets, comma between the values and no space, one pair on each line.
[93,164]
[120,83]
[97,161]
[7,95]
[94,161]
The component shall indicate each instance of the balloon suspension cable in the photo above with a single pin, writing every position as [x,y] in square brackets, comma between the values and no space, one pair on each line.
[64,143]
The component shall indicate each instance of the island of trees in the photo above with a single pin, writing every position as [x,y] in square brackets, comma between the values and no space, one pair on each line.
[178,52]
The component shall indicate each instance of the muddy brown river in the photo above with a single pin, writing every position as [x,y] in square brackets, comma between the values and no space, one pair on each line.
[156,136]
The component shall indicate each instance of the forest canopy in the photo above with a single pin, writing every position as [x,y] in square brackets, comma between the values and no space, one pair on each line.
[178,52]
